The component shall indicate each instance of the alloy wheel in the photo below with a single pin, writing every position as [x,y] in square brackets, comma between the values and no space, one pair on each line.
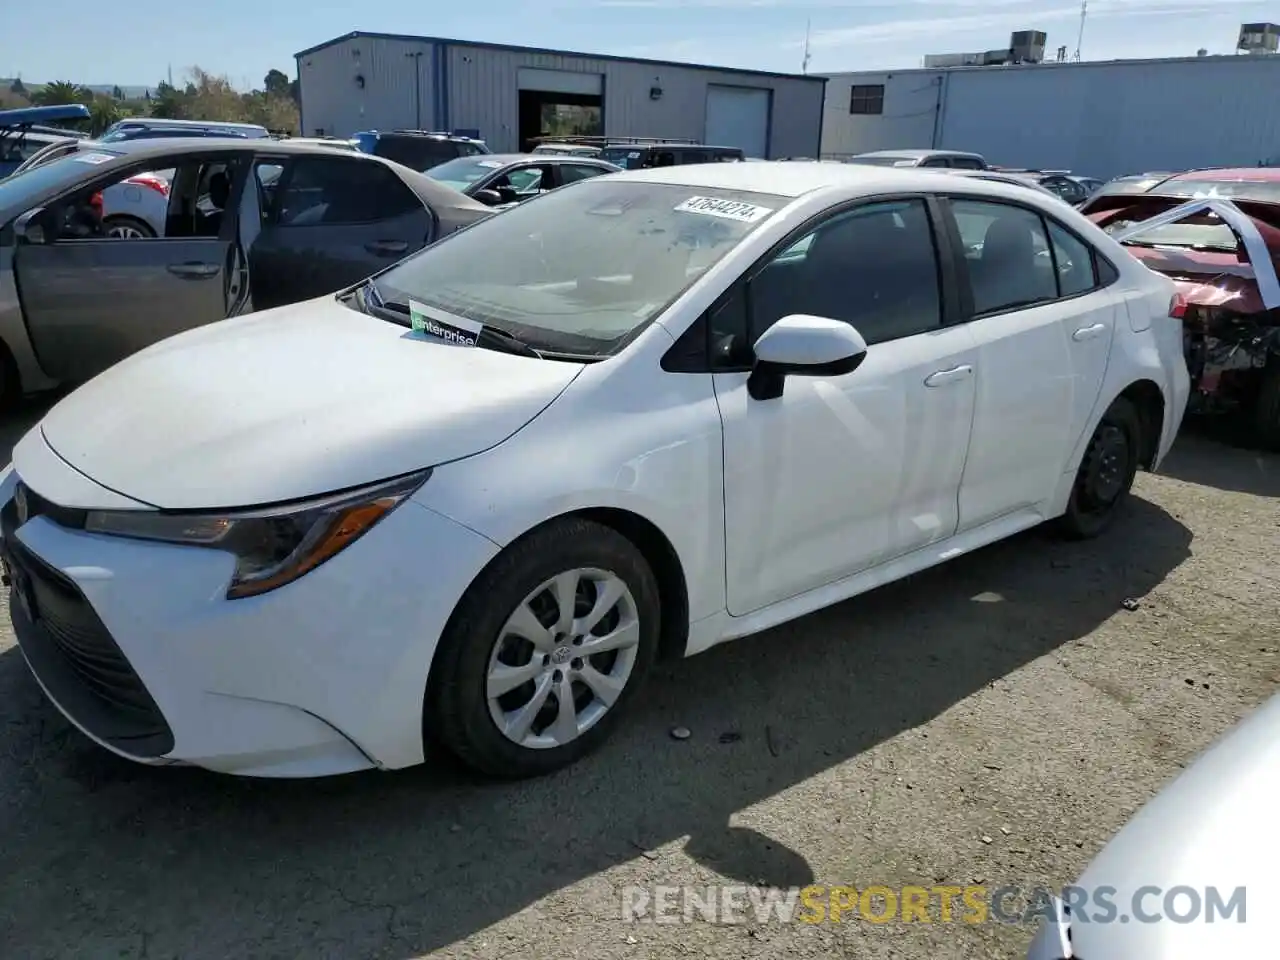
[563,658]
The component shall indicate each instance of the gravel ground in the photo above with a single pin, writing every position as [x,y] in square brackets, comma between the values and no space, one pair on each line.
[1008,697]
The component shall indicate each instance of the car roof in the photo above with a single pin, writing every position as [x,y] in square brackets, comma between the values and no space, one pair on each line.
[801,176]
[1255,174]
[916,153]
[166,122]
[505,158]
[141,149]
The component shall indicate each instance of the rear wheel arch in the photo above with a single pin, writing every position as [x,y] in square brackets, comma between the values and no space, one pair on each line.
[1148,399]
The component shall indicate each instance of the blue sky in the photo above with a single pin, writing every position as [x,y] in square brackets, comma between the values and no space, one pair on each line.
[92,42]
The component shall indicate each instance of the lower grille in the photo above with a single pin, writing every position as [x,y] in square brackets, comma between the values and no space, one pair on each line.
[74,655]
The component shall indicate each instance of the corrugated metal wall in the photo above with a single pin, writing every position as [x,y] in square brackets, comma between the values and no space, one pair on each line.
[911,104]
[483,93]
[334,103]
[483,86]
[1109,119]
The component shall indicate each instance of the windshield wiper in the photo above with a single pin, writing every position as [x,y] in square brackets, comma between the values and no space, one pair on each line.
[492,337]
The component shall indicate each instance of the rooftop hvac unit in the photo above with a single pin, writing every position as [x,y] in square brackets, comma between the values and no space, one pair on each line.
[1258,38]
[1027,46]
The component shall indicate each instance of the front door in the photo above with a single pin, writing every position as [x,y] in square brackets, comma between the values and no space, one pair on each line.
[841,474]
[329,222]
[1043,334]
[97,294]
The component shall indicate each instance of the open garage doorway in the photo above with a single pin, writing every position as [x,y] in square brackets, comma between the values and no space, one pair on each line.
[559,103]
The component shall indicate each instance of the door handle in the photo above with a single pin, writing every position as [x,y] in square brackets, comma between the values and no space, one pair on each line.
[386,248]
[943,377]
[1088,333]
[193,270]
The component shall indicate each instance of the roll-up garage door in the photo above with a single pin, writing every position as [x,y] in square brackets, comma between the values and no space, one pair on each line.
[739,117]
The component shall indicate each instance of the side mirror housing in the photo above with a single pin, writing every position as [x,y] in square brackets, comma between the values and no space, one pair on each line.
[36,226]
[490,198]
[802,345]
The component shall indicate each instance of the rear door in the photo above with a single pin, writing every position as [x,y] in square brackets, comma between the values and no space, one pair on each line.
[90,300]
[329,222]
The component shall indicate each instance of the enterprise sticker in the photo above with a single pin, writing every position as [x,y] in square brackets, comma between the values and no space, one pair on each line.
[443,326]
[93,157]
[724,209]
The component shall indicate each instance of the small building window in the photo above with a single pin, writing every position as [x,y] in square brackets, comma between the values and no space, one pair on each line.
[866,98]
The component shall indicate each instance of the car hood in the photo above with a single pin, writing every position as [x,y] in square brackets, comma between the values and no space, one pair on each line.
[1213,827]
[291,403]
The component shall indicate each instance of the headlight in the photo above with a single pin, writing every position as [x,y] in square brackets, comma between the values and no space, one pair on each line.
[272,546]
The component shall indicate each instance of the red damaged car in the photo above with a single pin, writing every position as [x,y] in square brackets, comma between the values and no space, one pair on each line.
[1216,233]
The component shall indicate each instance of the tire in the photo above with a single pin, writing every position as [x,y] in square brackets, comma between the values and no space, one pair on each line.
[478,639]
[126,226]
[1106,473]
[1266,410]
[10,382]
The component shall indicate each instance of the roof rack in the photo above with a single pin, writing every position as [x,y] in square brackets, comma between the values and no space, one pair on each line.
[432,133]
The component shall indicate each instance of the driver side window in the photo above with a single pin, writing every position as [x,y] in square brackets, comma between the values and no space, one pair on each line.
[874,267]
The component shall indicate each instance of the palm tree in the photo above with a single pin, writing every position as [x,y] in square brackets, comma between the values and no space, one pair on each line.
[60,92]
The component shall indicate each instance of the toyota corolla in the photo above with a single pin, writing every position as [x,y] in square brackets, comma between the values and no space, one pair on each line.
[473,499]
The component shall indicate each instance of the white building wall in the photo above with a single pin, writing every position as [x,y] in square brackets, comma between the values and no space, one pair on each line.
[482,85]
[911,107]
[1112,118]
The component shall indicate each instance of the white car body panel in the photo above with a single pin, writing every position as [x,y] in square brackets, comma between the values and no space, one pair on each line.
[319,396]
[1212,827]
[771,508]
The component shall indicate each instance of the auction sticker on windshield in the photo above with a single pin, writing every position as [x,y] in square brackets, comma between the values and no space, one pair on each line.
[443,326]
[725,209]
[94,157]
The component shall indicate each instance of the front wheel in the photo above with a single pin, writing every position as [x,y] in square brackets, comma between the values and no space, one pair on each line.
[1106,473]
[544,651]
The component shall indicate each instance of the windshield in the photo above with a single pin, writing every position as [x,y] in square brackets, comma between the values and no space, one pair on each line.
[626,157]
[54,174]
[580,269]
[463,171]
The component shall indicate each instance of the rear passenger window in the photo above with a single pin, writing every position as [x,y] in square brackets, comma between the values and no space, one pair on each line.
[1007,255]
[874,267]
[570,172]
[338,191]
[966,163]
[1107,273]
[1074,261]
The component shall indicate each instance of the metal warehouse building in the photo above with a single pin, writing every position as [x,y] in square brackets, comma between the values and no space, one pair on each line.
[378,81]
[1102,119]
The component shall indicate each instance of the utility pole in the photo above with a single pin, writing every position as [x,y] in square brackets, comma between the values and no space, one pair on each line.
[1084,11]
[808,27]
[416,57]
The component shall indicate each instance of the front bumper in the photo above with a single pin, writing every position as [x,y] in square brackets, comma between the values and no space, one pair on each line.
[135,643]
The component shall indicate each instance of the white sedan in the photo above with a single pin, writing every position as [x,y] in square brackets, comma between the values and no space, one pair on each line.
[473,500]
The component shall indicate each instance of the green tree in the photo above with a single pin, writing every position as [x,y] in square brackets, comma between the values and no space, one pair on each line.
[276,84]
[168,103]
[58,92]
[117,93]
[103,112]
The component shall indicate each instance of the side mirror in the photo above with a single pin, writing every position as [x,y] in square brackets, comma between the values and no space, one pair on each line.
[490,198]
[36,226]
[801,345]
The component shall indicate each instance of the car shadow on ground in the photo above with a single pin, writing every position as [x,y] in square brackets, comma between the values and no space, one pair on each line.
[102,856]
[1218,452]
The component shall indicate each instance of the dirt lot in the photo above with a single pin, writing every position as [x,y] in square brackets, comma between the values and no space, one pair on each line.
[1009,696]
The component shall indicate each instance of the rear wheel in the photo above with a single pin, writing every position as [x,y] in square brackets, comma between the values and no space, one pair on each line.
[544,652]
[124,227]
[1106,473]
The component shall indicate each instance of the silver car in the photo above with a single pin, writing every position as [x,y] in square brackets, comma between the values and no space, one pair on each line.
[1177,882]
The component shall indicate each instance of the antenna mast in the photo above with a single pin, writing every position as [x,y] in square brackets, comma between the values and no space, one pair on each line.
[808,26]
[1084,12]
